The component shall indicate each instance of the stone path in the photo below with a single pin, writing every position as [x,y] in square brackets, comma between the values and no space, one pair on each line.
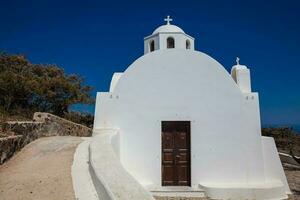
[41,171]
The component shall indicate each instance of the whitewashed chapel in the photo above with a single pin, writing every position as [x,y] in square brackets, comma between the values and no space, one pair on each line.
[183,120]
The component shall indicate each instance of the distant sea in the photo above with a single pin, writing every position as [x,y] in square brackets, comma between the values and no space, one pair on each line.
[296,127]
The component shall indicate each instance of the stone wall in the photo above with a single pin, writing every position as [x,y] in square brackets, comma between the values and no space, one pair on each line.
[42,125]
[8,146]
[54,125]
[29,130]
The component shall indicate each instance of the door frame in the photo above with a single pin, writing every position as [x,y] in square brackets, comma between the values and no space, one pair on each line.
[189,151]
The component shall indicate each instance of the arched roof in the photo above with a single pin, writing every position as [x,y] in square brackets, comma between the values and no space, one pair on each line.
[168,28]
[173,70]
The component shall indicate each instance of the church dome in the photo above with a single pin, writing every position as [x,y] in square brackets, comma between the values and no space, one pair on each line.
[168,28]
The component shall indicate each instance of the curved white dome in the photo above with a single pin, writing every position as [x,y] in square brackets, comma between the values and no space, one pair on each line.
[168,28]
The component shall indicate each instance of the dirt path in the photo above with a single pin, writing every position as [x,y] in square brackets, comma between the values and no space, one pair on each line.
[293,177]
[41,171]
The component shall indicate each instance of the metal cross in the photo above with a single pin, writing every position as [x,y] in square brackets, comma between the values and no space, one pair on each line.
[168,20]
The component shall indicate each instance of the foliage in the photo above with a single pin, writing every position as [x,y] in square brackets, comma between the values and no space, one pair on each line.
[285,138]
[26,88]
[278,132]
[80,118]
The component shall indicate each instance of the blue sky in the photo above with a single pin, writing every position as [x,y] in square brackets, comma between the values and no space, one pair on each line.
[96,38]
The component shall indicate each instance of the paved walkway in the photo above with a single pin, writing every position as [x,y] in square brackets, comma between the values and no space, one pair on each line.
[41,171]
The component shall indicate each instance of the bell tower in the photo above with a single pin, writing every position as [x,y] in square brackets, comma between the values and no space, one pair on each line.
[168,36]
[241,75]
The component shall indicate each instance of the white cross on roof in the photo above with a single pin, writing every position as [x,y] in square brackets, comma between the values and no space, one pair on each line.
[168,20]
[237,60]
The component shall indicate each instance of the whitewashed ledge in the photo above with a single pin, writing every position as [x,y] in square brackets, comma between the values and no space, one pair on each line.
[111,180]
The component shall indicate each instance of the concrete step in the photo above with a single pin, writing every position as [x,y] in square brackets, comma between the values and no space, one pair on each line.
[179,195]
[177,192]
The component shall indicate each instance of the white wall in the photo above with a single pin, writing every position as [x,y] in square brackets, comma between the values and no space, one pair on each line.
[272,163]
[114,81]
[241,75]
[177,84]
[160,40]
[180,40]
[147,40]
[111,180]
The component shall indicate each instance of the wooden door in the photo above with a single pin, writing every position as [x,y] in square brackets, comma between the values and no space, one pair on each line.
[176,165]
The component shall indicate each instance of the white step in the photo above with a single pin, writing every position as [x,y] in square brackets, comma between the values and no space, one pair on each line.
[177,191]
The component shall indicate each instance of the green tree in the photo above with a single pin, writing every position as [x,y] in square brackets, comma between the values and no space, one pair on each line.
[27,87]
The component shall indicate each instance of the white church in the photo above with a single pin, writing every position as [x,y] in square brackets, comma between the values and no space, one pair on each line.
[175,121]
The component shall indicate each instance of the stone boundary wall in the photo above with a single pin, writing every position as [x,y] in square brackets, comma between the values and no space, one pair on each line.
[42,125]
[54,125]
[9,145]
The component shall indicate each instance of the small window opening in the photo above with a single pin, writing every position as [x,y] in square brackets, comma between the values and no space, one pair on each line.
[170,43]
[188,44]
[152,47]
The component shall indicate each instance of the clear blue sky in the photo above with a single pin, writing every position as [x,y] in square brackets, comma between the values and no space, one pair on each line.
[96,38]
